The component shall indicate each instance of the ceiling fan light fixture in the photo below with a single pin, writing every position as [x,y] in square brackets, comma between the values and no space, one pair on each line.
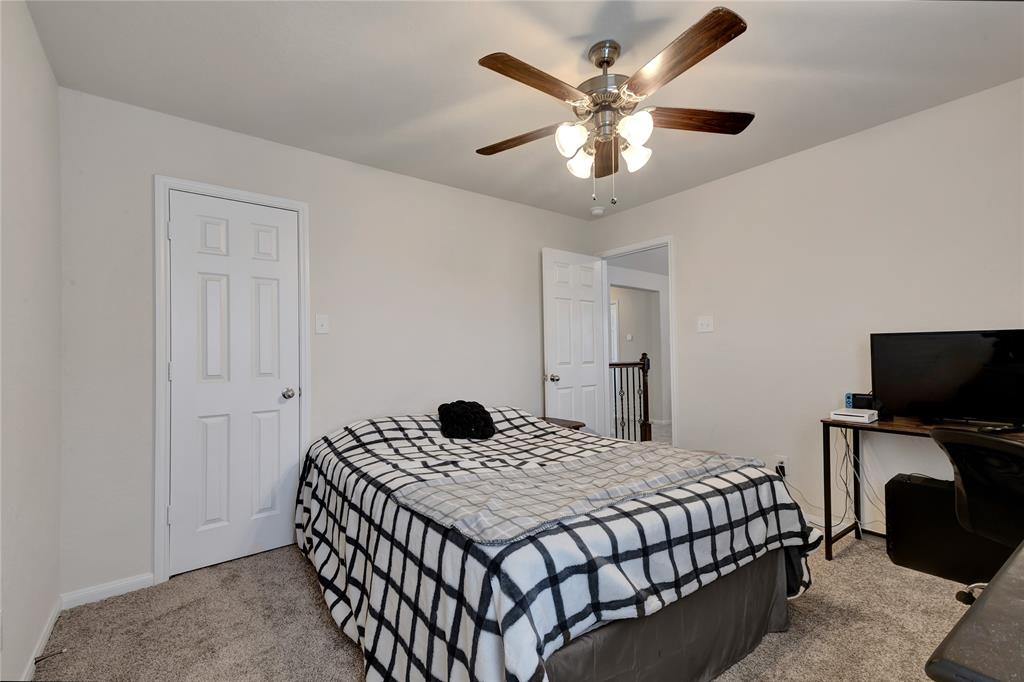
[636,128]
[607,119]
[580,164]
[636,157]
[569,137]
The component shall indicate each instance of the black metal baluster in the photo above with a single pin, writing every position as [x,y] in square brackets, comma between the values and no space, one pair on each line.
[615,404]
[629,401]
[638,401]
[622,405]
[632,406]
[618,397]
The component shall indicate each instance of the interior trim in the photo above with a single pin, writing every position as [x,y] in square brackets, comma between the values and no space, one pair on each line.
[673,335]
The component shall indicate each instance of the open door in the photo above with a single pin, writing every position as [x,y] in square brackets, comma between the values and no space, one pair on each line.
[576,338]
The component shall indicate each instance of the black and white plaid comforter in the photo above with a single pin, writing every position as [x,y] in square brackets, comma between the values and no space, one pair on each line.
[425,602]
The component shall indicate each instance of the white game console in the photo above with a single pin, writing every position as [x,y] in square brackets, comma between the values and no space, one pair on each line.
[852,414]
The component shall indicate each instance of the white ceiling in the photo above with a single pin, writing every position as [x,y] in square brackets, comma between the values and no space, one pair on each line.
[396,85]
[651,260]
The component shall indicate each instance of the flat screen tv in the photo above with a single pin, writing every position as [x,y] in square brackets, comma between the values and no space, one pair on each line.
[936,376]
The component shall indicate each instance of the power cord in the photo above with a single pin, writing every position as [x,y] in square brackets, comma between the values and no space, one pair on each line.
[805,502]
[871,495]
[841,478]
[868,491]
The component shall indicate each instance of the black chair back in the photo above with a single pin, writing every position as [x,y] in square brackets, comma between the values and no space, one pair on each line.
[989,478]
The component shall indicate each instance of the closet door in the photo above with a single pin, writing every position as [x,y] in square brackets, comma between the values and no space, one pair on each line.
[235,439]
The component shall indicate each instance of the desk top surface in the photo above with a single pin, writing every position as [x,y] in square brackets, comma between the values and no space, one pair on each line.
[909,426]
[986,643]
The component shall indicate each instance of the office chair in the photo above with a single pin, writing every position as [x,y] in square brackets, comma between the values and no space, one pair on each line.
[989,483]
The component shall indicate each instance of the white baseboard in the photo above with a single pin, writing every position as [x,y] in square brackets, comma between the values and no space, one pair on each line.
[662,422]
[87,595]
[44,637]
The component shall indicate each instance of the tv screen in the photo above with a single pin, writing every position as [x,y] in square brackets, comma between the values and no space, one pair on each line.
[976,375]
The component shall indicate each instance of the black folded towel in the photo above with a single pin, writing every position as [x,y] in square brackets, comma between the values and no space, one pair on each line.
[464,419]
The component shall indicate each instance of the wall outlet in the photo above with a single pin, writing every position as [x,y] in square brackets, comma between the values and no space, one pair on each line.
[781,465]
[705,324]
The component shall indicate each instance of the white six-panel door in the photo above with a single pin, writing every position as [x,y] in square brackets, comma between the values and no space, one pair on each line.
[575,337]
[235,441]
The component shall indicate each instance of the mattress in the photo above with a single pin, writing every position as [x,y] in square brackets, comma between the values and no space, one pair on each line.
[425,602]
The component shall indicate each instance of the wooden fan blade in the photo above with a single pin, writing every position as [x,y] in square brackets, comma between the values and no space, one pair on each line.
[714,30]
[507,65]
[701,120]
[518,140]
[606,158]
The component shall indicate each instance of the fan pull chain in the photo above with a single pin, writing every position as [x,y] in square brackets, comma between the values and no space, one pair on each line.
[593,175]
[615,161]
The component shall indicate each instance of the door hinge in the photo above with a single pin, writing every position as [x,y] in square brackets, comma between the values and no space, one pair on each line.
[169,372]
[168,515]
[168,229]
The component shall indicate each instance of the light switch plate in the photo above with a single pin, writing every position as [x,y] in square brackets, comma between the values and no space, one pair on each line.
[322,324]
[705,324]
[629,337]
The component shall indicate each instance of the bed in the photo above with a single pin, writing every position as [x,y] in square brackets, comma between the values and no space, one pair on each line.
[545,553]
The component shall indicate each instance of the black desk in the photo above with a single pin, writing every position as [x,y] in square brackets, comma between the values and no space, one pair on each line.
[987,642]
[898,426]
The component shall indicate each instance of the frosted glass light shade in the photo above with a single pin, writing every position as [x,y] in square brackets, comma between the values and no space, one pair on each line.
[636,128]
[636,157]
[569,137]
[580,164]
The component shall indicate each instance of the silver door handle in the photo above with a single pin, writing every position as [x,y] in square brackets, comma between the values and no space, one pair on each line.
[554,378]
[288,393]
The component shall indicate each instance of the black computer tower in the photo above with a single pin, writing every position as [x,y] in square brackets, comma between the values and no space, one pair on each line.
[922,532]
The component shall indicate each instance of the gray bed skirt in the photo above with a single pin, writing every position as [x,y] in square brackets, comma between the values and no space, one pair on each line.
[695,638]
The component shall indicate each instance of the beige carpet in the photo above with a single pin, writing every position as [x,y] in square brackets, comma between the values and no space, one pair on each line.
[263,618]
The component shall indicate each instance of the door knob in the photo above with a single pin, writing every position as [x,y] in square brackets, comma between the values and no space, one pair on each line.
[554,378]
[288,393]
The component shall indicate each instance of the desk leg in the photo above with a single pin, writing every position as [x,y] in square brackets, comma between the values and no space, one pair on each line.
[856,484]
[826,469]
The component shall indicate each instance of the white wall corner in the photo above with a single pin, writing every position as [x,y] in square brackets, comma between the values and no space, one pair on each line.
[87,595]
[44,637]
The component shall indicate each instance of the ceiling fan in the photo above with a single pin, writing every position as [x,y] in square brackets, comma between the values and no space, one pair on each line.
[605,106]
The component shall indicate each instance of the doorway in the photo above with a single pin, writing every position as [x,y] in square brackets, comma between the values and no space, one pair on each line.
[231,416]
[639,294]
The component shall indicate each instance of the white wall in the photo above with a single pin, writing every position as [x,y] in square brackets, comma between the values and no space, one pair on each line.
[913,225]
[31,414]
[433,294]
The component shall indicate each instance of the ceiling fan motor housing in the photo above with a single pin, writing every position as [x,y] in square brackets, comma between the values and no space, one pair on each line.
[604,53]
[606,103]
